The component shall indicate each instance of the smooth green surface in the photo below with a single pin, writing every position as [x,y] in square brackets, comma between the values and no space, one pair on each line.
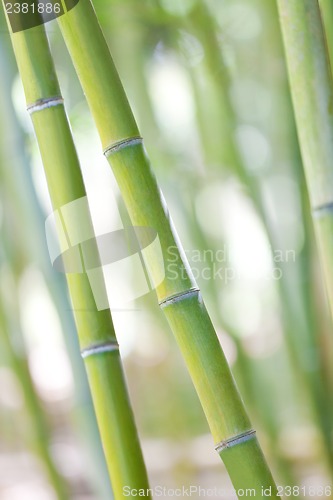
[189,319]
[326,7]
[244,464]
[311,88]
[117,421]
[113,411]
[88,43]
[324,233]
[208,367]
[27,243]
[147,208]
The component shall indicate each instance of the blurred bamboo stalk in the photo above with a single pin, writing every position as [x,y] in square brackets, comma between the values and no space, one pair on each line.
[95,329]
[311,89]
[179,298]
[326,8]
[132,32]
[298,311]
[26,242]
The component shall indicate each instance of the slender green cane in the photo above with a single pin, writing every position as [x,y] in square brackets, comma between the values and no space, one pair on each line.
[178,294]
[27,243]
[293,305]
[326,7]
[311,88]
[95,329]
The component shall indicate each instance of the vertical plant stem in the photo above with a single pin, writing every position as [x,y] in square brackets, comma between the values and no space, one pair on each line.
[311,88]
[95,328]
[21,203]
[178,294]
[326,7]
[297,308]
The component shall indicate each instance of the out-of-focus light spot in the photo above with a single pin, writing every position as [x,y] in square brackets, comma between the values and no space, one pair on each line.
[51,372]
[300,443]
[176,7]
[254,147]
[201,451]
[249,249]
[240,20]
[151,349]
[208,207]
[21,477]
[104,211]
[10,394]
[241,309]
[40,319]
[251,100]
[20,106]
[137,336]
[168,453]
[96,171]
[192,48]
[172,98]
[29,490]
[317,480]
[128,325]
[282,201]
[68,458]
[224,213]
[264,342]
[47,355]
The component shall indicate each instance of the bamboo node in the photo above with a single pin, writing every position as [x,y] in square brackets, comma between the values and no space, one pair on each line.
[178,297]
[235,440]
[322,210]
[47,102]
[124,143]
[110,346]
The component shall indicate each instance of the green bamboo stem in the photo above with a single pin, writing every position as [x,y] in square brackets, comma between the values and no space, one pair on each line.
[297,309]
[311,88]
[179,298]
[131,35]
[95,328]
[21,203]
[326,8]
[124,34]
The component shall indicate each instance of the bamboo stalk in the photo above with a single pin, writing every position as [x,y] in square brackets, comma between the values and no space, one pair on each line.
[297,308]
[178,295]
[95,328]
[128,40]
[22,204]
[310,81]
[311,88]
[326,8]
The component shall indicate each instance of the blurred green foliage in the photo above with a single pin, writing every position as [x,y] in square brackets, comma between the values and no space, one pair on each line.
[208,85]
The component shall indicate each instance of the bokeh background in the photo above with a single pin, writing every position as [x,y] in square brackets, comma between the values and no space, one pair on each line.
[208,85]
